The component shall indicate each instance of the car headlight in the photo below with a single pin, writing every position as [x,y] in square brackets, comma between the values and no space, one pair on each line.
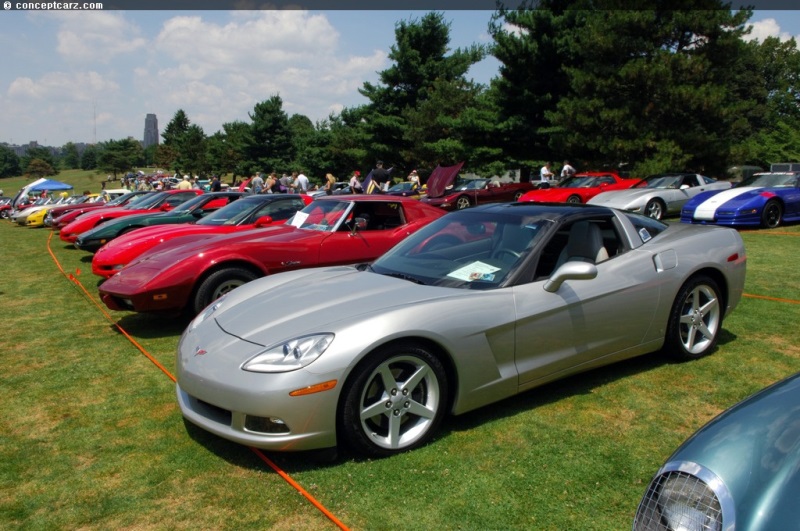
[685,497]
[289,355]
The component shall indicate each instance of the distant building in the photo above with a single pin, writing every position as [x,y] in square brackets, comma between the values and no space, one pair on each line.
[150,131]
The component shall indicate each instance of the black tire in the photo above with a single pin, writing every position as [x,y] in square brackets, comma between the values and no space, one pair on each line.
[694,320]
[574,199]
[463,202]
[655,209]
[772,215]
[370,412]
[218,284]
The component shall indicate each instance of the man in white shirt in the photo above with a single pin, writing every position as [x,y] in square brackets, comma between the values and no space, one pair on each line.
[299,183]
[545,174]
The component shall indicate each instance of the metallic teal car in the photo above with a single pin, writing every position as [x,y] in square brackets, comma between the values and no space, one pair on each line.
[740,471]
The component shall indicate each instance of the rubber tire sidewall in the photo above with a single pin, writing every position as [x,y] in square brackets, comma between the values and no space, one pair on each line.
[207,287]
[764,222]
[349,423]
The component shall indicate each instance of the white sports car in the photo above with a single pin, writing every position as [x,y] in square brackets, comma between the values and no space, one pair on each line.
[479,305]
[661,195]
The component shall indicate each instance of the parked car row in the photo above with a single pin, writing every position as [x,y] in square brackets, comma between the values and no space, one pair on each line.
[363,320]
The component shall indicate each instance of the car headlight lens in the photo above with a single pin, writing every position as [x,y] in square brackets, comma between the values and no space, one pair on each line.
[289,355]
[687,497]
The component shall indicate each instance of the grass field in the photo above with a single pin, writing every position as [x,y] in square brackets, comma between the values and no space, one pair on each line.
[91,436]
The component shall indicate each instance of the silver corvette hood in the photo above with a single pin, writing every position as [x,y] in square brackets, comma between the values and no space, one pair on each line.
[621,196]
[286,305]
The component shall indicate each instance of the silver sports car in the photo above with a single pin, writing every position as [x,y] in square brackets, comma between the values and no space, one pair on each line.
[479,305]
[660,195]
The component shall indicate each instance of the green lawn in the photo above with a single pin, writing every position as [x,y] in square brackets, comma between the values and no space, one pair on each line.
[91,436]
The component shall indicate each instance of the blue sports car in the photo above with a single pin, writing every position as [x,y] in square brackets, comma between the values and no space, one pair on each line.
[765,200]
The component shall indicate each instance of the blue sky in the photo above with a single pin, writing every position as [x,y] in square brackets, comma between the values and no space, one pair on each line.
[93,76]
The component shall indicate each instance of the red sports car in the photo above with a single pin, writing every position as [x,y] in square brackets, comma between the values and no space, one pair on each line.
[580,188]
[247,213]
[58,217]
[332,230]
[158,201]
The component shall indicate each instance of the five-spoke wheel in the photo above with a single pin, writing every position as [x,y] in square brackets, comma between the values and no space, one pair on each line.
[395,400]
[695,319]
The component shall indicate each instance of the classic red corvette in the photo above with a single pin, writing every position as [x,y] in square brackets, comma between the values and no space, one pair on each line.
[158,201]
[330,231]
[580,188]
[250,212]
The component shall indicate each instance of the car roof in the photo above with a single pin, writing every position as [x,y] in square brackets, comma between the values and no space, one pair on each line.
[537,208]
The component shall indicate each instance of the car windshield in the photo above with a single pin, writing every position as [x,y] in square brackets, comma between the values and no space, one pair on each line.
[578,182]
[660,181]
[191,204]
[325,216]
[231,214]
[147,201]
[466,250]
[772,180]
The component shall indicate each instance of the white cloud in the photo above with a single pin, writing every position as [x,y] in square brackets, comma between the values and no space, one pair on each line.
[768,27]
[95,36]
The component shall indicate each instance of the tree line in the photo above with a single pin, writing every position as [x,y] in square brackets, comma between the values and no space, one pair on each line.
[647,90]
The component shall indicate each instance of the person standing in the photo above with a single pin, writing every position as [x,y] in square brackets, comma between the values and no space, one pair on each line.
[380,179]
[567,170]
[355,183]
[546,174]
[257,184]
[216,186]
[330,183]
[299,183]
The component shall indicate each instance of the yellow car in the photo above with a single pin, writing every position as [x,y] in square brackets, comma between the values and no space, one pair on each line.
[36,219]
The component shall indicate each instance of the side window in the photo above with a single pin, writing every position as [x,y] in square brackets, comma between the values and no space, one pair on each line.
[646,227]
[282,209]
[380,215]
[176,199]
[593,240]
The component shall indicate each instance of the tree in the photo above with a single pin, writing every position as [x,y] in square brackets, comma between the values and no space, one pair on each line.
[176,129]
[71,159]
[660,88]
[269,146]
[9,163]
[38,168]
[89,158]
[420,61]
[192,157]
[119,156]
[40,153]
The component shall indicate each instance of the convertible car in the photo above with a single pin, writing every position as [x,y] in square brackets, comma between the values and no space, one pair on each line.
[580,188]
[192,210]
[252,211]
[156,202]
[765,200]
[332,230]
[739,471]
[374,356]
[659,195]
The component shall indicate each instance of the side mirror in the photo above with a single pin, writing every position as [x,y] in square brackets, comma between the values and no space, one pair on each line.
[685,187]
[165,207]
[359,224]
[570,271]
[199,213]
[263,221]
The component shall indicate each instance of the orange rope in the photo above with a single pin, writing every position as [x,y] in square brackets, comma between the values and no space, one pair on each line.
[776,299]
[260,454]
[300,489]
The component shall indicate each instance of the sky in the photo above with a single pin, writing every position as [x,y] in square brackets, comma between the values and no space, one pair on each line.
[68,76]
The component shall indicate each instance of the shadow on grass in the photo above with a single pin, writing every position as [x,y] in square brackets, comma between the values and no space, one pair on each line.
[152,326]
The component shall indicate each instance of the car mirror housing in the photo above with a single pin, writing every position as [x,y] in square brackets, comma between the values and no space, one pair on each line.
[570,271]
[263,221]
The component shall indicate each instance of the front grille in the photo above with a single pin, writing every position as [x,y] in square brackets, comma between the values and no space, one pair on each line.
[678,500]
